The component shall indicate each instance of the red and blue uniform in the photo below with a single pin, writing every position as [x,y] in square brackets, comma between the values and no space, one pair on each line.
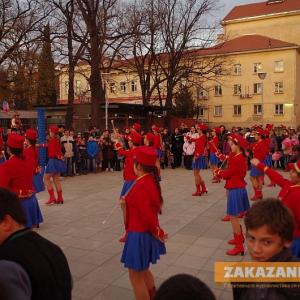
[237,197]
[128,173]
[213,148]
[289,195]
[142,208]
[2,158]
[200,153]
[32,153]
[55,164]
[16,175]
[259,150]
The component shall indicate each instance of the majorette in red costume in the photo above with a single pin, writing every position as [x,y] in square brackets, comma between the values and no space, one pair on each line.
[2,154]
[199,162]
[145,241]
[55,166]
[237,197]
[134,140]
[31,151]
[289,195]
[259,151]
[213,145]
[16,175]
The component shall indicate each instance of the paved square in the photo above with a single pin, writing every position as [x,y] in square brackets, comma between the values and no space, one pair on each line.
[197,237]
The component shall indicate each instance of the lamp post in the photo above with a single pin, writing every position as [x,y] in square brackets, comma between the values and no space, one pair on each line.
[105,77]
[262,76]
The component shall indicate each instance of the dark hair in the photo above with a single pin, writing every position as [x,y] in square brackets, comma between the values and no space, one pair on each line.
[10,205]
[17,152]
[184,287]
[31,142]
[154,171]
[272,213]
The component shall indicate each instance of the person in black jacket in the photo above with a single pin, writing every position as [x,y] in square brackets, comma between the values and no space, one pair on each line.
[177,142]
[32,267]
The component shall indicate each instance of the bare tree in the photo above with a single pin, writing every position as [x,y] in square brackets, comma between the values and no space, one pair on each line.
[104,29]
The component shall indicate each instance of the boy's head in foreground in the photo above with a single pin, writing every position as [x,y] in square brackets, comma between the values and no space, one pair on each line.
[269,229]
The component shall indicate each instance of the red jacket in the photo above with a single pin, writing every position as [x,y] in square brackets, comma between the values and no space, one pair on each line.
[235,172]
[32,153]
[289,194]
[128,173]
[200,146]
[157,141]
[16,175]
[260,150]
[142,206]
[213,144]
[54,148]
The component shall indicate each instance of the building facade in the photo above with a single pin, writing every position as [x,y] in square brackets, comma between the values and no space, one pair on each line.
[260,40]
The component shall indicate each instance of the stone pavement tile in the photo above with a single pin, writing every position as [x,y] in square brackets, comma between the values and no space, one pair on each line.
[190,261]
[86,244]
[192,230]
[173,270]
[200,251]
[169,258]
[226,295]
[115,293]
[123,281]
[79,269]
[113,248]
[86,290]
[158,268]
[208,242]
[94,257]
[74,253]
[175,247]
[183,238]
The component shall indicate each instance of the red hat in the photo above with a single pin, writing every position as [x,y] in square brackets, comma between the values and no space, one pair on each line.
[31,134]
[217,130]
[150,137]
[295,166]
[135,137]
[53,129]
[155,128]
[146,156]
[259,131]
[15,140]
[239,140]
[137,126]
[203,127]
[269,127]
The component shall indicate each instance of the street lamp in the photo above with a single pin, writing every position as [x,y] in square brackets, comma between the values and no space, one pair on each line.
[262,76]
[106,77]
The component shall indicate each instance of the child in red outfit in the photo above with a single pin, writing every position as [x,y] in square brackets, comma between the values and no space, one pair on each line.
[289,195]
[55,167]
[237,197]
[145,241]
[199,162]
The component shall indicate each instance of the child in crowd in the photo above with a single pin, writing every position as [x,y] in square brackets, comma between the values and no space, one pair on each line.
[92,151]
[188,151]
[269,233]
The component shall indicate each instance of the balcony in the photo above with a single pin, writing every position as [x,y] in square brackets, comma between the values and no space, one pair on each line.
[246,96]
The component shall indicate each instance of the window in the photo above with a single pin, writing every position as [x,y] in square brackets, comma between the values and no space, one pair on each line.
[123,87]
[218,111]
[278,87]
[257,109]
[133,86]
[279,66]
[278,109]
[202,94]
[112,87]
[66,87]
[77,87]
[257,88]
[257,67]
[237,110]
[218,90]
[201,111]
[237,69]
[237,89]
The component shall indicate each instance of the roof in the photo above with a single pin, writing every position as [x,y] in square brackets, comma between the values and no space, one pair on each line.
[249,42]
[262,8]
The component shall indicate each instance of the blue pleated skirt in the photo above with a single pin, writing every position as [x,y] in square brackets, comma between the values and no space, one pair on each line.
[55,166]
[32,211]
[38,182]
[237,201]
[254,172]
[126,186]
[213,159]
[268,161]
[141,249]
[295,247]
[2,160]
[160,153]
[200,163]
